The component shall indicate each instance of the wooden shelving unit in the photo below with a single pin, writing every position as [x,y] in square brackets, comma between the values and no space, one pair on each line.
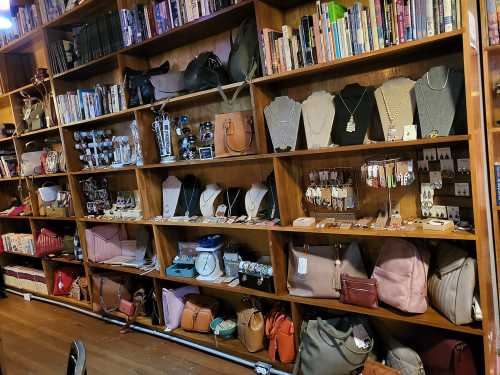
[179,46]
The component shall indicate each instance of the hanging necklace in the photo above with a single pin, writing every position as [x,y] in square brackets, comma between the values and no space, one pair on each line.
[253,200]
[190,199]
[392,116]
[444,84]
[434,132]
[205,201]
[231,205]
[351,124]
[273,209]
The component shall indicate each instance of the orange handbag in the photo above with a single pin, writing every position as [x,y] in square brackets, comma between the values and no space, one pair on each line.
[198,313]
[376,368]
[280,333]
[234,134]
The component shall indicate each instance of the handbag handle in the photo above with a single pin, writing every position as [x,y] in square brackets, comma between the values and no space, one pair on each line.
[227,123]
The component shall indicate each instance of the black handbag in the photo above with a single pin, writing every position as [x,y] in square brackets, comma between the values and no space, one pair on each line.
[256,276]
[244,56]
[204,72]
[138,84]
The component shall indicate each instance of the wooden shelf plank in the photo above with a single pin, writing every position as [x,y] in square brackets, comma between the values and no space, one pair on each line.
[38,132]
[114,221]
[23,255]
[15,217]
[115,116]
[6,139]
[130,270]
[61,259]
[27,87]
[388,52]
[54,218]
[75,15]
[430,318]
[20,42]
[10,179]
[209,225]
[49,175]
[104,170]
[417,233]
[81,72]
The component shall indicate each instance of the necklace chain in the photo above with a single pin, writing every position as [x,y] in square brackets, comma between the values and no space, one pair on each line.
[188,206]
[444,84]
[231,205]
[357,105]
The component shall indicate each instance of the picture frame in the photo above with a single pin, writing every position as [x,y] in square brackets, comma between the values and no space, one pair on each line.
[206,153]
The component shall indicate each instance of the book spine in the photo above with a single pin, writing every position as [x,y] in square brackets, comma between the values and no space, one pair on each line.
[372,9]
[267,50]
[441,16]
[497,182]
[326,36]
[317,39]
[366,37]
[454,14]
[429,22]
[400,20]
[459,13]
[448,24]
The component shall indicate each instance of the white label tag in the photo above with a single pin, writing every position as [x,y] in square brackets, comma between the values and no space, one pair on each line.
[302,267]
[410,133]
[436,180]
[361,337]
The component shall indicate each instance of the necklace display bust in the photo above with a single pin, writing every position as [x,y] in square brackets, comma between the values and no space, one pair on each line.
[254,198]
[208,198]
[396,106]
[190,196]
[439,93]
[353,114]
[171,190]
[318,112]
[283,118]
[234,199]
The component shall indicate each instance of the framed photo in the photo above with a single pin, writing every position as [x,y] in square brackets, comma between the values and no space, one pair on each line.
[206,153]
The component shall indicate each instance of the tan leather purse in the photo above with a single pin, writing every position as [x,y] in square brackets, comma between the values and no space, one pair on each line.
[234,134]
[251,329]
[108,290]
[198,313]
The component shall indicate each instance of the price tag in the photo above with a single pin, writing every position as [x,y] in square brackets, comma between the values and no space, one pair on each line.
[410,133]
[361,337]
[302,267]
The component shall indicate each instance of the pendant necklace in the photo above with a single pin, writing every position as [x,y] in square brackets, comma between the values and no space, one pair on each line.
[351,124]
[391,136]
[442,86]
[253,200]
[231,205]
[190,199]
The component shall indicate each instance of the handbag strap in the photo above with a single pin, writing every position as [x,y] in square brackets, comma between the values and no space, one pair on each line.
[138,300]
[227,123]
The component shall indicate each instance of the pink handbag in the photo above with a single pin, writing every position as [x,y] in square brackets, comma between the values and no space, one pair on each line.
[401,274]
[173,304]
[104,241]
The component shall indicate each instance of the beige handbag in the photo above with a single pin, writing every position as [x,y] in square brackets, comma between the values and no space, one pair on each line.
[451,285]
[314,271]
[234,134]
[251,329]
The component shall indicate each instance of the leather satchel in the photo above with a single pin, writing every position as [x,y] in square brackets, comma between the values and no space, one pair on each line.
[234,134]
[448,357]
[104,241]
[359,291]
[452,284]
[314,271]
[280,333]
[198,313]
[327,347]
[108,290]
[376,368]
[251,329]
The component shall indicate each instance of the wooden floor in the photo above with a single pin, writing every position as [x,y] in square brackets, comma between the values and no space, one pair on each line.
[36,339]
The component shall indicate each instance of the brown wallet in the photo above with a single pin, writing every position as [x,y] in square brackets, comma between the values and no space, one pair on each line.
[375,368]
[198,313]
[358,291]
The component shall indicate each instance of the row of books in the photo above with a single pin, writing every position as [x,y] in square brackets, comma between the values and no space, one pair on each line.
[90,41]
[26,19]
[145,21]
[84,104]
[51,9]
[8,165]
[20,243]
[336,32]
[493,14]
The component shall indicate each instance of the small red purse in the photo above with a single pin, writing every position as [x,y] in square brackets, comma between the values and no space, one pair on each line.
[48,242]
[63,279]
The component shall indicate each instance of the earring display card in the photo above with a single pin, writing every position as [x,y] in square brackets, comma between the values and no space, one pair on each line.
[439,212]
[447,167]
[430,154]
[463,165]
[453,213]
[436,179]
[462,189]
[423,166]
[444,153]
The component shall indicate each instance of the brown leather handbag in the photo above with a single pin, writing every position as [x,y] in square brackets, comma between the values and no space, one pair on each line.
[198,313]
[108,290]
[376,368]
[358,291]
[447,357]
[280,333]
[234,134]
[251,327]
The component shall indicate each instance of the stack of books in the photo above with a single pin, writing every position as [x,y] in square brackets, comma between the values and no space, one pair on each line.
[86,104]
[90,41]
[336,32]
[19,243]
[51,9]
[26,19]
[145,21]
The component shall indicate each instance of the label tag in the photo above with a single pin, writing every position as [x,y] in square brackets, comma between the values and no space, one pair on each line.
[302,266]
[410,133]
[361,337]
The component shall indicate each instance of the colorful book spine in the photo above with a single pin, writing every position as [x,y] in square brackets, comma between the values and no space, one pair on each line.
[497,182]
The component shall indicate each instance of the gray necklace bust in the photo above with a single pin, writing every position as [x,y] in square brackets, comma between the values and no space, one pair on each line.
[438,92]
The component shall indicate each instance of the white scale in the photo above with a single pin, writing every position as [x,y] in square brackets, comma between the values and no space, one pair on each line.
[208,263]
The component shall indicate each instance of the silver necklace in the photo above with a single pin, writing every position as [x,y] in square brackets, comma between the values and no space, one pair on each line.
[231,205]
[444,84]
[253,200]
[434,132]
[351,124]
[205,201]
[391,136]
[190,199]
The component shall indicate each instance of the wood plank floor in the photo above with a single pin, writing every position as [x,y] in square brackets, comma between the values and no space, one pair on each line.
[36,339]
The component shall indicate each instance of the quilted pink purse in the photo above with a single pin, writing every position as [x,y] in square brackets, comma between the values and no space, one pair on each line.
[401,274]
[104,241]
[173,304]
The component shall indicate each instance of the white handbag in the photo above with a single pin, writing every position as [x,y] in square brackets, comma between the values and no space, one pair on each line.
[31,163]
[48,193]
[167,85]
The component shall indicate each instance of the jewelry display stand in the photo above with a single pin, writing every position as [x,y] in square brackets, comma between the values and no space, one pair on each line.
[253,199]
[318,112]
[190,196]
[438,93]
[208,198]
[234,199]
[171,190]
[396,106]
[283,118]
[353,115]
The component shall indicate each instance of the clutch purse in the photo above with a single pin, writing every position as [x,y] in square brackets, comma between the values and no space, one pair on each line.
[358,291]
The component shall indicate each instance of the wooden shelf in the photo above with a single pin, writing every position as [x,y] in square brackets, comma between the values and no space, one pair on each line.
[100,65]
[7,139]
[430,318]
[393,52]
[104,170]
[38,132]
[26,87]
[10,179]
[210,225]
[53,218]
[15,217]
[48,175]
[23,255]
[86,9]
[130,270]
[67,260]
[71,301]
[20,42]
[114,221]
[115,116]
